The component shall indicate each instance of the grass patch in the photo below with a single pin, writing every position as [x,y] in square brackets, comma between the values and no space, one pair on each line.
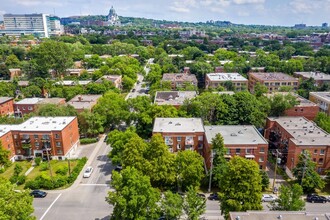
[88,140]
[10,170]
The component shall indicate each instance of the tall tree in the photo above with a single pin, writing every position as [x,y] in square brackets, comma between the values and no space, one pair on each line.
[306,175]
[14,205]
[289,199]
[240,188]
[171,205]
[4,72]
[219,161]
[194,205]
[134,197]
[279,103]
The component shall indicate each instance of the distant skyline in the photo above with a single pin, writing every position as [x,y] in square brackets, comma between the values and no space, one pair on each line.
[261,12]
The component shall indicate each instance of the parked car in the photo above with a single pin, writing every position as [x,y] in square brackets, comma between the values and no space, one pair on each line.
[313,198]
[213,196]
[118,168]
[268,198]
[328,198]
[88,172]
[38,194]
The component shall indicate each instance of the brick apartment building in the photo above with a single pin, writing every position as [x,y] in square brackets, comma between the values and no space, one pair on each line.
[303,108]
[214,80]
[240,140]
[174,98]
[6,106]
[82,102]
[293,135]
[6,139]
[28,105]
[178,80]
[273,81]
[57,135]
[320,78]
[322,99]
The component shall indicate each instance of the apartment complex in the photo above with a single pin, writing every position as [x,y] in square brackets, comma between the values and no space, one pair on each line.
[320,78]
[6,106]
[178,80]
[28,105]
[294,135]
[18,24]
[273,81]
[303,108]
[174,98]
[322,99]
[82,102]
[57,137]
[214,80]
[6,139]
[240,140]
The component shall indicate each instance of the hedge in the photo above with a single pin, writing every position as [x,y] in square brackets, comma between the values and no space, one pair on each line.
[88,140]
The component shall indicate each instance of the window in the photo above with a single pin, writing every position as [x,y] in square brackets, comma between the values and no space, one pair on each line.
[57,136]
[322,151]
[189,140]
[178,139]
[248,151]
[36,144]
[261,159]
[200,138]
[262,150]
[238,150]
[321,161]
[30,108]
[23,108]
[9,146]
[168,140]
[35,136]
[178,146]
[45,136]
[289,83]
[15,136]
[58,144]
[315,151]
[59,151]
[228,152]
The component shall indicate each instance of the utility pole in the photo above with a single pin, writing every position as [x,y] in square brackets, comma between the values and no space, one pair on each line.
[274,180]
[210,180]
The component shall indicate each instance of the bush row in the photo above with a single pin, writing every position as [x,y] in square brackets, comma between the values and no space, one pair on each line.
[88,140]
[44,181]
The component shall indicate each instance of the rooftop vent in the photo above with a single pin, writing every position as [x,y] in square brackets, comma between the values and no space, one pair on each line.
[170,123]
[177,124]
[233,134]
[280,217]
[238,218]
[240,132]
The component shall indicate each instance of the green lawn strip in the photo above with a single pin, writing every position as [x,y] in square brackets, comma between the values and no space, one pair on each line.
[10,170]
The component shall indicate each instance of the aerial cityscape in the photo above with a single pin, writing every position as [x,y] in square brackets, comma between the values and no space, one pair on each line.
[214,110]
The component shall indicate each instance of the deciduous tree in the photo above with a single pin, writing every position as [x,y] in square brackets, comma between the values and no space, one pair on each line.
[194,205]
[289,199]
[171,205]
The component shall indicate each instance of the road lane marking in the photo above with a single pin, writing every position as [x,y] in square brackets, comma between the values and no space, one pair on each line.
[50,207]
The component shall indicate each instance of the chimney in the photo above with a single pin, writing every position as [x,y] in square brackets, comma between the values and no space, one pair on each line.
[80,98]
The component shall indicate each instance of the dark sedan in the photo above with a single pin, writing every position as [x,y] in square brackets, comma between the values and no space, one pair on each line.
[213,196]
[38,194]
[316,199]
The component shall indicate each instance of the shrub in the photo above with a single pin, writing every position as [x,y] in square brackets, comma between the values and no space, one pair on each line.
[37,161]
[2,170]
[18,169]
[32,184]
[88,140]
[43,167]
[13,179]
[21,180]
[62,170]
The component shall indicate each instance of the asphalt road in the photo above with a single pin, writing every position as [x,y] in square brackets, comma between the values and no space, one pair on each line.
[85,199]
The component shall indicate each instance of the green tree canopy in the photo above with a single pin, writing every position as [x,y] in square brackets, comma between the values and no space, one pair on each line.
[194,205]
[289,199]
[171,205]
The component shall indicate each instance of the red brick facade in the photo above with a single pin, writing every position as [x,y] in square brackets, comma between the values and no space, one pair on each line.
[8,144]
[7,106]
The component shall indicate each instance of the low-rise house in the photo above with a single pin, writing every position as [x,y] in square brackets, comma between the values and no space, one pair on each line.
[320,78]
[6,139]
[15,73]
[115,79]
[56,137]
[174,98]
[322,99]
[303,108]
[82,102]
[214,80]
[28,105]
[240,140]
[178,80]
[273,81]
[78,72]
[294,135]
[6,106]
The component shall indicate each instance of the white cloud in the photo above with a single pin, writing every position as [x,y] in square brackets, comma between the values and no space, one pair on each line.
[183,6]
[242,2]
[303,6]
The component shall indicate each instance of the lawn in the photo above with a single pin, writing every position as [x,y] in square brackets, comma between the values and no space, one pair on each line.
[55,165]
[9,172]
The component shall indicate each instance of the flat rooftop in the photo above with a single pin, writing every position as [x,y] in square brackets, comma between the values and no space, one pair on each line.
[303,131]
[173,97]
[54,101]
[4,129]
[44,124]
[302,102]
[314,75]
[111,78]
[226,77]
[235,134]
[276,215]
[182,77]
[73,83]
[84,101]
[5,99]
[178,125]
[273,76]
[324,96]
[29,101]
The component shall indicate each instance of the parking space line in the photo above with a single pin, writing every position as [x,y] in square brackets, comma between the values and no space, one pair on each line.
[50,207]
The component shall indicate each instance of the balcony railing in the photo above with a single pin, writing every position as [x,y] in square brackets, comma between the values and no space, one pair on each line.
[25,140]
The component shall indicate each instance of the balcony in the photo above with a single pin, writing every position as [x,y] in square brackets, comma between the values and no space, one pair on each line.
[25,140]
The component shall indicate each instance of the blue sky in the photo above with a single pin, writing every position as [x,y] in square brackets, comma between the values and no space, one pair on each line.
[269,12]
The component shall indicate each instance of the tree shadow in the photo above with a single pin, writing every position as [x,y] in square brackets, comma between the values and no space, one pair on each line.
[104,218]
